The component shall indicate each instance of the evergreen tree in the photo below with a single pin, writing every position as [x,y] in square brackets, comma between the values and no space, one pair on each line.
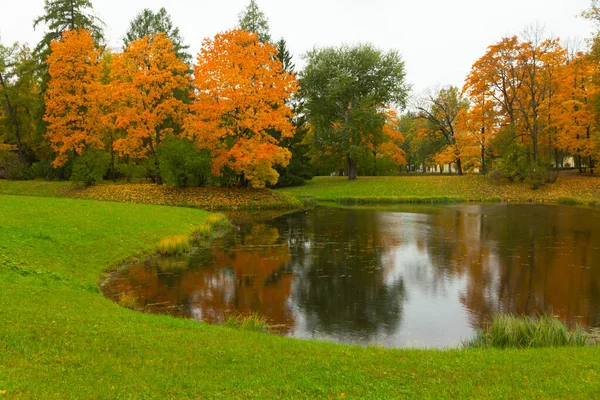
[63,15]
[149,23]
[252,19]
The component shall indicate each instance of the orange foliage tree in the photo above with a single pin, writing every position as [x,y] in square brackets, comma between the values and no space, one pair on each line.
[143,83]
[72,97]
[240,103]
[385,140]
[576,115]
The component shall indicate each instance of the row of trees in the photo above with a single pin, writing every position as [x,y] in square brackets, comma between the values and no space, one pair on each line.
[241,115]
[527,104]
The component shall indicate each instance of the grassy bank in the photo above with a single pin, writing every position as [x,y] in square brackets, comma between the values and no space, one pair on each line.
[569,189]
[208,198]
[60,338]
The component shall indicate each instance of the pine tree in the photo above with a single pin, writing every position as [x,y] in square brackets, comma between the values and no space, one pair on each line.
[148,23]
[252,19]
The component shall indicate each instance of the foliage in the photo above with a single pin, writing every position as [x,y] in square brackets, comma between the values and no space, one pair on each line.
[143,83]
[253,20]
[240,101]
[346,90]
[19,99]
[66,15]
[90,167]
[72,98]
[183,165]
[149,23]
[178,244]
[509,331]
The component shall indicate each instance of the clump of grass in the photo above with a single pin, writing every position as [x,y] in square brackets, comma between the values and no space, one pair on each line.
[568,201]
[174,245]
[128,300]
[509,331]
[212,223]
[251,322]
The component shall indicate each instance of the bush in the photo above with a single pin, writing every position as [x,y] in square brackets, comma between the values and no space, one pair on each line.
[497,177]
[44,169]
[90,167]
[18,172]
[182,165]
[508,331]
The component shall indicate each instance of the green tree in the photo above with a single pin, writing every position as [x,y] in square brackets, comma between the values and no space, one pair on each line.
[298,170]
[252,19]
[148,23]
[20,98]
[440,110]
[346,89]
[64,15]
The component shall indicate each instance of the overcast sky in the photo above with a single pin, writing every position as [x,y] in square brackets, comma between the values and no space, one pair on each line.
[438,39]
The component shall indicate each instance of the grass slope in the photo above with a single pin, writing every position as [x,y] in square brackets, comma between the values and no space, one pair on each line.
[208,198]
[445,189]
[59,338]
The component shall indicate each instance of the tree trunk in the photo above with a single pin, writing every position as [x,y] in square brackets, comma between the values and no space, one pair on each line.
[482,160]
[459,166]
[375,163]
[591,161]
[159,180]
[112,164]
[351,168]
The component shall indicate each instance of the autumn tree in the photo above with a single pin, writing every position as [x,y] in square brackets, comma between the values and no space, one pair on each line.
[346,90]
[148,22]
[252,19]
[576,114]
[144,79]
[441,109]
[72,111]
[240,100]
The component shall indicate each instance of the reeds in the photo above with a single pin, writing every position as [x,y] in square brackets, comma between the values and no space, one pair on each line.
[509,331]
[251,322]
[171,245]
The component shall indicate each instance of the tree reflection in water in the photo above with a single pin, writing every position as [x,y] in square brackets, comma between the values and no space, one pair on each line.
[395,276]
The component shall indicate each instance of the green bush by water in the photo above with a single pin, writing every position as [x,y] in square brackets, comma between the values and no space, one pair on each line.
[509,331]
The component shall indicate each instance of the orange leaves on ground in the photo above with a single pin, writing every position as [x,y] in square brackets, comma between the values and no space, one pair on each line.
[72,107]
[240,111]
[144,80]
[208,198]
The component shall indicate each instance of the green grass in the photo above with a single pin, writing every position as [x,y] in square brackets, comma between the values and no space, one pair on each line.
[509,331]
[575,189]
[60,338]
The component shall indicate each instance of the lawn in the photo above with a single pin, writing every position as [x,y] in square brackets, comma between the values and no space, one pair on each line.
[60,338]
[569,188]
[207,198]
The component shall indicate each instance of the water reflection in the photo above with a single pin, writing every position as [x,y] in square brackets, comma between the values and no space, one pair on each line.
[422,276]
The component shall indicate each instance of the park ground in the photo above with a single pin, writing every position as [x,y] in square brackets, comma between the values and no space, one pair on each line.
[60,338]
[570,188]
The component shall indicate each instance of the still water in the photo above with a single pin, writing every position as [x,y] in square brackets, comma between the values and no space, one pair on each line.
[397,277]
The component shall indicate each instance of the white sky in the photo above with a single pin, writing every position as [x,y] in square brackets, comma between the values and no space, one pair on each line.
[438,39]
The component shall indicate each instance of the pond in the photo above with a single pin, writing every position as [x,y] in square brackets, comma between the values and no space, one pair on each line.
[394,276]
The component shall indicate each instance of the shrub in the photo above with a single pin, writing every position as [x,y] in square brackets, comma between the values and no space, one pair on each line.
[174,245]
[90,167]
[182,165]
[497,177]
[509,331]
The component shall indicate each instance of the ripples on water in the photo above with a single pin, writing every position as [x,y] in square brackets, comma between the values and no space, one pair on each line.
[398,277]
